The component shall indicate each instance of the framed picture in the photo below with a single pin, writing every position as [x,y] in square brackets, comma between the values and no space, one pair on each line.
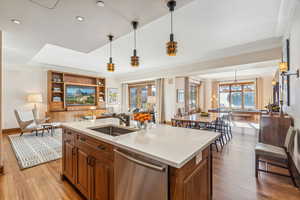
[112,95]
[180,95]
[286,58]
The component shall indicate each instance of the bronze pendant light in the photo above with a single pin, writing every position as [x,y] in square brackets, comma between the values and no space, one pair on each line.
[171,45]
[134,58]
[110,65]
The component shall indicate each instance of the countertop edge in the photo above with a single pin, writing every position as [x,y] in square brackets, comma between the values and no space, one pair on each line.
[170,163]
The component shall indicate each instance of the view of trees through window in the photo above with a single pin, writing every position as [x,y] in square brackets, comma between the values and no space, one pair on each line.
[237,95]
[193,96]
[138,95]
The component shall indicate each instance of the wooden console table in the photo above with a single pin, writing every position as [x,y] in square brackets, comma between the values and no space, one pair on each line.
[273,129]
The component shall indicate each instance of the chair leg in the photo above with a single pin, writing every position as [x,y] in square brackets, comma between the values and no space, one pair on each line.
[215,143]
[291,173]
[256,165]
[21,133]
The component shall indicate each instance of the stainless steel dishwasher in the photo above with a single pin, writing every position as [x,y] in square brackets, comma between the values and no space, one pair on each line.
[137,178]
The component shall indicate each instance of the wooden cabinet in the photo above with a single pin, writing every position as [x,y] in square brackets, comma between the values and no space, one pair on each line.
[88,164]
[194,180]
[101,173]
[69,156]
[83,172]
[273,129]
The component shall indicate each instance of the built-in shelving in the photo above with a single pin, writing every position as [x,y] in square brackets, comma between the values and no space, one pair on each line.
[57,82]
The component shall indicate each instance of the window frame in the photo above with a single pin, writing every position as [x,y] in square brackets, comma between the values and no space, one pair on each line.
[139,86]
[197,95]
[242,91]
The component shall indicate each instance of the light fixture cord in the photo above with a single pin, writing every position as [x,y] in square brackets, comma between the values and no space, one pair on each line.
[134,38]
[172,22]
[110,51]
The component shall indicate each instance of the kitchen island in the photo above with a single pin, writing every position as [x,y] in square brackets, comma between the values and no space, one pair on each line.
[105,161]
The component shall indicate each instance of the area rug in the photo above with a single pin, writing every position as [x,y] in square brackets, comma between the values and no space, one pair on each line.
[32,150]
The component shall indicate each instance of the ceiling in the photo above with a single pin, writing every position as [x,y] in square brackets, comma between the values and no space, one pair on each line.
[202,28]
[242,72]
[41,25]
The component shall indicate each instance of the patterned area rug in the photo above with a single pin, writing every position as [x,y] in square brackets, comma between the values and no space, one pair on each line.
[31,150]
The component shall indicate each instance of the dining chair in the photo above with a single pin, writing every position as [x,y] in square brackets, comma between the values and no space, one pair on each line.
[275,155]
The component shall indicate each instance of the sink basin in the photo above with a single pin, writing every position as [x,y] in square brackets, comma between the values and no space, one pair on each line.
[112,130]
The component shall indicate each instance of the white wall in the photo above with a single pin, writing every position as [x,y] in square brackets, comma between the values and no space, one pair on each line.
[17,85]
[23,80]
[294,109]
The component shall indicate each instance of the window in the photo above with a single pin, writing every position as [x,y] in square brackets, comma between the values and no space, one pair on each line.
[138,94]
[194,95]
[237,95]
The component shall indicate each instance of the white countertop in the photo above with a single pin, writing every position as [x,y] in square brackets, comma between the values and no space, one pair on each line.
[170,145]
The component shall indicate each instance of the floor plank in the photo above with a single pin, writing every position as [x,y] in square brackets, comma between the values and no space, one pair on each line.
[233,176]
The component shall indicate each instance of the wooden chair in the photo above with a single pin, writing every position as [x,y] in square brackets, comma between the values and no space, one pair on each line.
[276,155]
[27,122]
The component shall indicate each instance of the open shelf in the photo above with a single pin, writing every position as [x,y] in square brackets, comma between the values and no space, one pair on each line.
[59,80]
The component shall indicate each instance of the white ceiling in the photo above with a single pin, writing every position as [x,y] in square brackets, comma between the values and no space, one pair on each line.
[202,28]
[241,72]
[58,26]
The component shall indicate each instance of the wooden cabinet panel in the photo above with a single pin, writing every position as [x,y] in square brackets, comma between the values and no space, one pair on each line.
[193,180]
[196,185]
[101,180]
[82,176]
[69,161]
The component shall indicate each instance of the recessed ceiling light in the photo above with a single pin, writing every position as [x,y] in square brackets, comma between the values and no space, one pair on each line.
[79,18]
[16,21]
[100,3]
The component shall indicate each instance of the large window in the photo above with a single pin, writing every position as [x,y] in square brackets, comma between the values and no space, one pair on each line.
[194,96]
[138,94]
[237,95]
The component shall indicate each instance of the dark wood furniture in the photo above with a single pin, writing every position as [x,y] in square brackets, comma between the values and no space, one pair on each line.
[88,164]
[57,82]
[274,154]
[273,129]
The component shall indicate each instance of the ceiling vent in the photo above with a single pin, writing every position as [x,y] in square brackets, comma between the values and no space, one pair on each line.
[49,4]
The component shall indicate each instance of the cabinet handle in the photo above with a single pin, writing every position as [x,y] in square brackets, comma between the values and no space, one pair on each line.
[82,139]
[100,147]
[91,161]
[74,151]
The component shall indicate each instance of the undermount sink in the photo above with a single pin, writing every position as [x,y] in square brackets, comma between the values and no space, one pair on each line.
[112,130]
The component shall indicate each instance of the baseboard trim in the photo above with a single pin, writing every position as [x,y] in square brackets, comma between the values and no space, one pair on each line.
[11,131]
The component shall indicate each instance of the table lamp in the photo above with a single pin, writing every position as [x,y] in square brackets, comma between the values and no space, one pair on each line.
[151,100]
[35,98]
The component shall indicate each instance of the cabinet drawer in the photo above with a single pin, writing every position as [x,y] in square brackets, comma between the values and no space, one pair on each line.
[96,148]
[69,136]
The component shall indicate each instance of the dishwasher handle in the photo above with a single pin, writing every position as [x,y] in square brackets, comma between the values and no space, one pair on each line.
[149,165]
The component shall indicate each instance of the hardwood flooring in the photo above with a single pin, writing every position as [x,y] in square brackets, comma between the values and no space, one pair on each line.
[233,176]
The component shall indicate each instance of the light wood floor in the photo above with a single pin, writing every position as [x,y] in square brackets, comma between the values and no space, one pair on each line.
[233,176]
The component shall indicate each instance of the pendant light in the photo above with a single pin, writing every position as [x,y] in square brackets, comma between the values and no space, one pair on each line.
[134,58]
[171,45]
[110,65]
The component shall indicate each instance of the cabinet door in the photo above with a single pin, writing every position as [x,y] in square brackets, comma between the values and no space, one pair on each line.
[196,186]
[82,176]
[69,165]
[102,179]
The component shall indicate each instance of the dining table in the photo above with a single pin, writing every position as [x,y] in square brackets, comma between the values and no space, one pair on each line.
[195,120]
